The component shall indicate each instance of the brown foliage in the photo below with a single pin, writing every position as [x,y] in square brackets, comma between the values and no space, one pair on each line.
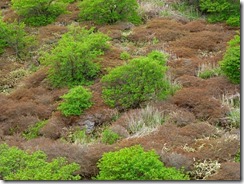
[228,171]
[36,78]
[198,102]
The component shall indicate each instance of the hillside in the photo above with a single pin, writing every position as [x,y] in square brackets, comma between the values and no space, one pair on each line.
[196,127]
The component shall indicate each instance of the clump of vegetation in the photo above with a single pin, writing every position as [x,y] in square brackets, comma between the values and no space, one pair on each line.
[238,156]
[140,80]
[125,56]
[134,163]
[33,131]
[13,35]
[109,137]
[208,73]
[145,121]
[222,10]
[39,13]
[231,63]
[109,11]
[186,9]
[72,61]
[17,164]
[204,169]
[75,101]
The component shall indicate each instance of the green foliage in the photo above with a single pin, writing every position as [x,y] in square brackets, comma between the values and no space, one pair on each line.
[231,63]
[134,163]
[72,60]
[39,12]
[125,56]
[75,101]
[222,10]
[109,137]
[14,35]
[188,10]
[140,80]
[33,131]
[210,73]
[238,156]
[109,11]
[17,164]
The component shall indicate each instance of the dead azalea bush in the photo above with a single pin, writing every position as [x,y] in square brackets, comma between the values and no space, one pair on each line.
[202,105]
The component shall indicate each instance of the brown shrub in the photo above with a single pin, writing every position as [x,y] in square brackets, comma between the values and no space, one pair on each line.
[183,52]
[71,16]
[205,40]
[222,149]
[53,128]
[189,81]
[181,117]
[51,32]
[227,171]
[36,78]
[198,102]
[176,160]
[195,26]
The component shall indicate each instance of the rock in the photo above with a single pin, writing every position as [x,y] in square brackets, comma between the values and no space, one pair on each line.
[90,126]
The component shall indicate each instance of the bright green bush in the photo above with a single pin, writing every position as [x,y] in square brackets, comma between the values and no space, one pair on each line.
[140,80]
[109,11]
[13,35]
[39,12]
[72,60]
[109,137]
[17,164]
[231,63]
[222,10]
[134,163]
[33,131]
[75,101]
[125,56]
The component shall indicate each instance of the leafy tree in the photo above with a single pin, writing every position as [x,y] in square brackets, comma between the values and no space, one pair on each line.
[231,63]
[39,12]
[140,80]
[222,10]
[75,101]
[134,163]
[72,60]
[109,11]
[14,35]
[17,164]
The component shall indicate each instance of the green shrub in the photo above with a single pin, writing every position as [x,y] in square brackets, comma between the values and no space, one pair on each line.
[140,80]
[39,12]
[13,35]
[109,11]
[72,60]
[75,101]
[134,163]
[231,63]
[125,56]
[109,137]
[33,131]
[17,164]
[238,156]
[209,73]
[222,10]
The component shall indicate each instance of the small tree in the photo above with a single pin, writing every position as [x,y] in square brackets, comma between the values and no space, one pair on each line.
[140,80]
[72,60]
[39,12]
[109,11]
[134,163]
[75,101]
[17,164]
[14,35]
[231,63]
